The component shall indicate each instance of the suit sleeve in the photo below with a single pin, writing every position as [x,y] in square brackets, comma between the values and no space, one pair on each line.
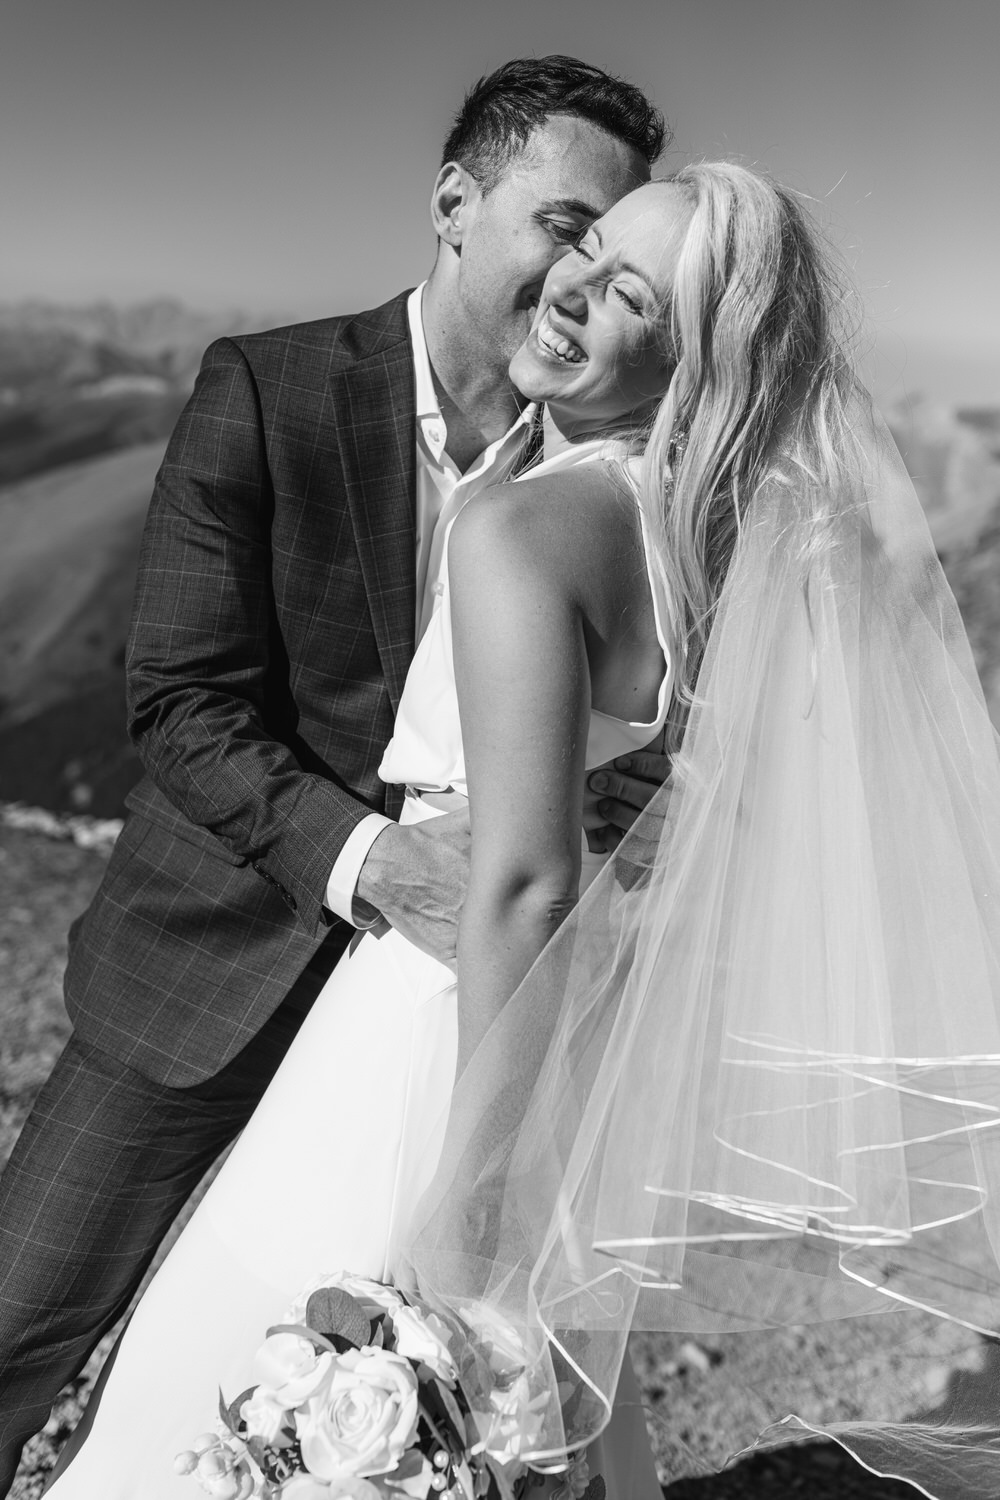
[200,645]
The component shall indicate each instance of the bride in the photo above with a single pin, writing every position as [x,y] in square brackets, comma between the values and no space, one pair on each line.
[686,1101]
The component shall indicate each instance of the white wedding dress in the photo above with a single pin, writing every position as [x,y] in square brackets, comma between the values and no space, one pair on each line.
[327,1173]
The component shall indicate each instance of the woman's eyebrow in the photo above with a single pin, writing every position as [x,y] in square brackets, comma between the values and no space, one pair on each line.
[624,265]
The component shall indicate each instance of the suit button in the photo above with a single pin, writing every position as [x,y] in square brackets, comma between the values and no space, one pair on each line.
[288,899]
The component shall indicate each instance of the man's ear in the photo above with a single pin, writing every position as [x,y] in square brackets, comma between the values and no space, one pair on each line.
[453,191]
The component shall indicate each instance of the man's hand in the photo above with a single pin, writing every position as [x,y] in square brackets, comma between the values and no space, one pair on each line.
[416,875]
[617,793]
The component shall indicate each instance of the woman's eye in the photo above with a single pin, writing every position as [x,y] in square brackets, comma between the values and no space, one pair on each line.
[630,302]
[580,249]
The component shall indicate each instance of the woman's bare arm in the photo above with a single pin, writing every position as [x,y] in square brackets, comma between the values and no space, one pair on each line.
[524,697]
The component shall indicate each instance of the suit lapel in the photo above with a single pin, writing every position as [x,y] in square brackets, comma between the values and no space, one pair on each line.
[374,402]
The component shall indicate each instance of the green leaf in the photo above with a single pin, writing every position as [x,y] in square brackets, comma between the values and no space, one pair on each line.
[503,1485]
[335,1314]
[257,1448]
[224,1413]
[430,1418]
[309,1334]
[230,1412]
[442,1415]
[411,1464]
[452,1407]
[234,1421]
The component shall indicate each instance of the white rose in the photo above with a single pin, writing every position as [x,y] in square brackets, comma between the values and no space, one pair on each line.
[374,1296]
[221,1471]
[290,1367]
[363,1419]
[305,1487]
[417,1486]
[502,1342]
[266,1416]
[513,1423]
[577,1479]
[423,1337]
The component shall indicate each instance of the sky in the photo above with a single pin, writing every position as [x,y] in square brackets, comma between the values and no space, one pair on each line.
[277,157]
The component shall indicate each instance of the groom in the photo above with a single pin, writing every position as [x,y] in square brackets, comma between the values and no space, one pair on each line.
[286,571]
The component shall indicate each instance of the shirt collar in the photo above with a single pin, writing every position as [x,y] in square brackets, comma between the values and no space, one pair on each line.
[427,401]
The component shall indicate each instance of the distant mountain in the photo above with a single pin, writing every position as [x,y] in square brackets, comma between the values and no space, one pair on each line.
[45,347]
[76,382]
[984,420]
[954,460]
[67,570]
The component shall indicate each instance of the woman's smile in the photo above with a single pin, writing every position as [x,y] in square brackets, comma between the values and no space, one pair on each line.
[555,343]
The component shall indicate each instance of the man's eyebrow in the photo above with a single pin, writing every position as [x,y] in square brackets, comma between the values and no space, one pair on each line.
[572,206]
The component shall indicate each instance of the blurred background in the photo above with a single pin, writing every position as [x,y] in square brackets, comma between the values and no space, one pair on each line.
[172,172]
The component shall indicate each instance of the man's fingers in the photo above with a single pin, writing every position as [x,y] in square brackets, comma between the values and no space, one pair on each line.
[620,815]
[624,789]
[647,765]
[632,779]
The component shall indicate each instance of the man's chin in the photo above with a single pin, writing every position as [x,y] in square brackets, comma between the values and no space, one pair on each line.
[516,342]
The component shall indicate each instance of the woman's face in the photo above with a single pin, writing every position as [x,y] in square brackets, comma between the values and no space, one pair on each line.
[597,350]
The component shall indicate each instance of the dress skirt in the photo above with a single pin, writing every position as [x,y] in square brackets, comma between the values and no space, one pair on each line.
[324,1178]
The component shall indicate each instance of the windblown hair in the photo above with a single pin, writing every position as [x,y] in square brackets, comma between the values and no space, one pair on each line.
[500,112]
[760,390]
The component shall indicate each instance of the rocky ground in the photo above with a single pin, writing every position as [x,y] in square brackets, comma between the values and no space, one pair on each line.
[706,1399]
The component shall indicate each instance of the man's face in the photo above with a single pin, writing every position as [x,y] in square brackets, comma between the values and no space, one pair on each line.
[569,173]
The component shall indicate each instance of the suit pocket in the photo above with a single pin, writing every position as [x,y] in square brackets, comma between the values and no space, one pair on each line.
[148,802]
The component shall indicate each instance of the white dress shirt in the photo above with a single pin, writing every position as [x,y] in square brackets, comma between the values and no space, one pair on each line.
[441,493]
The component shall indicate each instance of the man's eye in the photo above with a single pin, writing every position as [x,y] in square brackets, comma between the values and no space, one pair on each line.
[566,234]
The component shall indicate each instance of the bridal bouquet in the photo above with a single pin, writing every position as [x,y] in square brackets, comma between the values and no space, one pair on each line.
[365,1394]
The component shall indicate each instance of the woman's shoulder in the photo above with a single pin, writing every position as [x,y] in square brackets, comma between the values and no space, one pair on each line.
[546,517]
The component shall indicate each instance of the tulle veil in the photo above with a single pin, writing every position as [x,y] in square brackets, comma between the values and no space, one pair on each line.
[754,1081]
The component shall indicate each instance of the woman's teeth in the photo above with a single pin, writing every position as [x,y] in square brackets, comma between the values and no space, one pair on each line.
[559,346]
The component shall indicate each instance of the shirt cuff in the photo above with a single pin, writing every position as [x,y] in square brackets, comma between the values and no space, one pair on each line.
[340,888]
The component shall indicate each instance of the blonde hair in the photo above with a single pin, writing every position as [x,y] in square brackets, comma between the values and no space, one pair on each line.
[762,380]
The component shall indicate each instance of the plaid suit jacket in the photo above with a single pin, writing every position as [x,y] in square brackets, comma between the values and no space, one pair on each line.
[271,634]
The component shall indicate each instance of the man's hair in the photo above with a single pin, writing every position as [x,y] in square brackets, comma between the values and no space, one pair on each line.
[500,112]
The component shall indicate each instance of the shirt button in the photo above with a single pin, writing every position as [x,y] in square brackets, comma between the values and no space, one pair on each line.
[438,589]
